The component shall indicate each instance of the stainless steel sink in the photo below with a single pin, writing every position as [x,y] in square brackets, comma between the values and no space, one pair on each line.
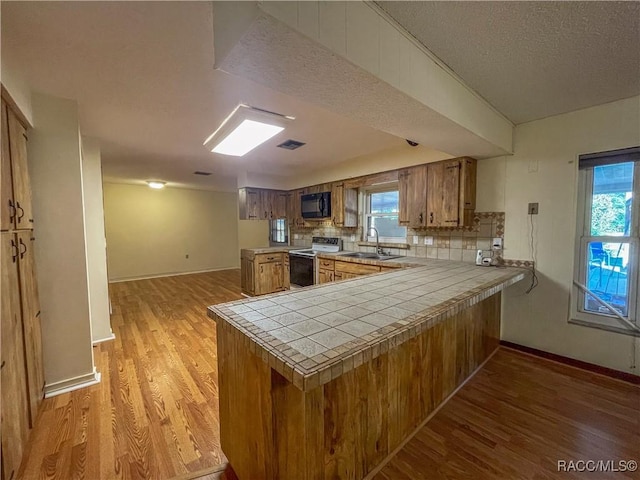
[369,256]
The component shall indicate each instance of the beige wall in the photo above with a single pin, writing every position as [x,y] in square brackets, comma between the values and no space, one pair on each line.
[150,232]
[544,170]
[95,241]
[56,179]
[253,234]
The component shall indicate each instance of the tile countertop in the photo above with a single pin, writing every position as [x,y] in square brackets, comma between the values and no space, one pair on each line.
[315,334]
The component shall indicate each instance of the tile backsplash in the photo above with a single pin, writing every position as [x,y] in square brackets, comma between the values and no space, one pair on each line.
[449,243]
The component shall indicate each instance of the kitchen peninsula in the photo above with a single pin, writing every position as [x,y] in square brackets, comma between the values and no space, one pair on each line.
[326,381]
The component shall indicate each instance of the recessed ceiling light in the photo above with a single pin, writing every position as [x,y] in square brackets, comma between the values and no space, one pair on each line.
[156,184]
[245,129]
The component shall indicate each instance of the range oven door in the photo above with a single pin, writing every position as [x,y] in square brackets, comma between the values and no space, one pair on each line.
[302,270]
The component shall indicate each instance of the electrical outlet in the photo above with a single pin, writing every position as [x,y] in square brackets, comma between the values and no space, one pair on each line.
[496,244]
[353,238]
[415,239]
[533,209]
[428,240]
[296,236]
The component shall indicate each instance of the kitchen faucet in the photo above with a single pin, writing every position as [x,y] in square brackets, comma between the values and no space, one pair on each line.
[378,249]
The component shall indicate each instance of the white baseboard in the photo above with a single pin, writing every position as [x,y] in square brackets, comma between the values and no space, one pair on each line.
[71,384]
[106,339]
[161,275]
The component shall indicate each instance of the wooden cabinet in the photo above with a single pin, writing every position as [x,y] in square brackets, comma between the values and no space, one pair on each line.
[295,207]
[264,273]
[412,192]
[15,404]
[249,203]
[326,270]
[15,211]
[22,365]
[352,269]
[262,204]
[440,194]
[344,205]
[451,193]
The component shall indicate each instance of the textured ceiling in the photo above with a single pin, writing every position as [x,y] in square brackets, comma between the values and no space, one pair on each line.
[142,73]
[532,60]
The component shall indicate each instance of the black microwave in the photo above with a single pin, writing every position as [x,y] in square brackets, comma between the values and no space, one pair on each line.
[316,205]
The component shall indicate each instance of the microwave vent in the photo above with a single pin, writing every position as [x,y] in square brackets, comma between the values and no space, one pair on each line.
[291,144]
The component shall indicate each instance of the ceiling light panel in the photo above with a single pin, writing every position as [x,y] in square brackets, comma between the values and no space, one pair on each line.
[244,129]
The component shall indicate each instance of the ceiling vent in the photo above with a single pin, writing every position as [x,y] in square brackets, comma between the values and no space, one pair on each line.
[206,174]
[291,144]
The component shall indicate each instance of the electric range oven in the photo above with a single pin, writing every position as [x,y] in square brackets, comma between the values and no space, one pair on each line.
[302,263]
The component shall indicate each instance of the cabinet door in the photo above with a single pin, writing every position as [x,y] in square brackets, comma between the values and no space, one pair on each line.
[286,280]
[295,207]
[412,185]
[451,194]
[337,204]
[247,276]
[270,278]
[435,172]
[20,172]
[15,406]
[280,204]
[325,276]
[31,321]
[7,207]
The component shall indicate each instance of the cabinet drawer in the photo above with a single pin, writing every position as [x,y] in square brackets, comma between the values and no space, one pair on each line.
[269,257]
[357,268]
[327,264]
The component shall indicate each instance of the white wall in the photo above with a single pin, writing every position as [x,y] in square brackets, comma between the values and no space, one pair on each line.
[55,166]
[544,169]
[150,232]
[96,242]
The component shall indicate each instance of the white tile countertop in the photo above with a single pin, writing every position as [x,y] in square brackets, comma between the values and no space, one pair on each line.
[315,334]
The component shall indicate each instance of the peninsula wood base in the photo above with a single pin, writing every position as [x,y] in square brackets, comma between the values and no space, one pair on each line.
[270,429]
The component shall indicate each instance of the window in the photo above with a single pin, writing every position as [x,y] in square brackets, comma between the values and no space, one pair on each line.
[606,274]
[278,232]
[381,212]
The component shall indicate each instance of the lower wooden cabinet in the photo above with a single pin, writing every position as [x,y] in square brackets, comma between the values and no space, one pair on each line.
[264,273]
[336,270]
[22,368]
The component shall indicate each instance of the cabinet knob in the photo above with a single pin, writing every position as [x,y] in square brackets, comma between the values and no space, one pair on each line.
[431,217]
[420,218]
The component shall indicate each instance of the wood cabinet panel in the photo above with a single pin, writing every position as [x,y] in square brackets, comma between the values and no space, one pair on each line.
[412,188]
[451,194]
[280,204]
[435,173]
[325,276]
[344,205]
[249,203]
[20,172]
[268,273]
[15,404]
[271,277]
[7,207]
[247,276]
[31,321]
[355,268]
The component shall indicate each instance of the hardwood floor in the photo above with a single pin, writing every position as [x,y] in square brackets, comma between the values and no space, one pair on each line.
[155,413]
[517,417]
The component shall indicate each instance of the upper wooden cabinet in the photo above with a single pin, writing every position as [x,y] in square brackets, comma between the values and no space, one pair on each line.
[15,211]
[344,205]
[295,207]
[412,192]
[262,204]
[440,194]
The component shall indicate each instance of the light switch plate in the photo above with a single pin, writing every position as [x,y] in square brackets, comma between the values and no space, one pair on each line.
[415,239]
[428,240]
[296,236]
[353,238]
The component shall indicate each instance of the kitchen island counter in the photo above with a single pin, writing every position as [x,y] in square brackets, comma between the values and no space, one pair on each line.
[326,381]
[311,336]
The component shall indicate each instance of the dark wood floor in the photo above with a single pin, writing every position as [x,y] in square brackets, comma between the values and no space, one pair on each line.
[517,417]
[155,413]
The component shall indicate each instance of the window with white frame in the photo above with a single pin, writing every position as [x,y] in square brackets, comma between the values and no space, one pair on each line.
[605,290]
[278,233]
[382,207]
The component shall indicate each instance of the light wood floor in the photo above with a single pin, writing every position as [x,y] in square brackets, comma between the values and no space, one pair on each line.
[155,413]
[517,417]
